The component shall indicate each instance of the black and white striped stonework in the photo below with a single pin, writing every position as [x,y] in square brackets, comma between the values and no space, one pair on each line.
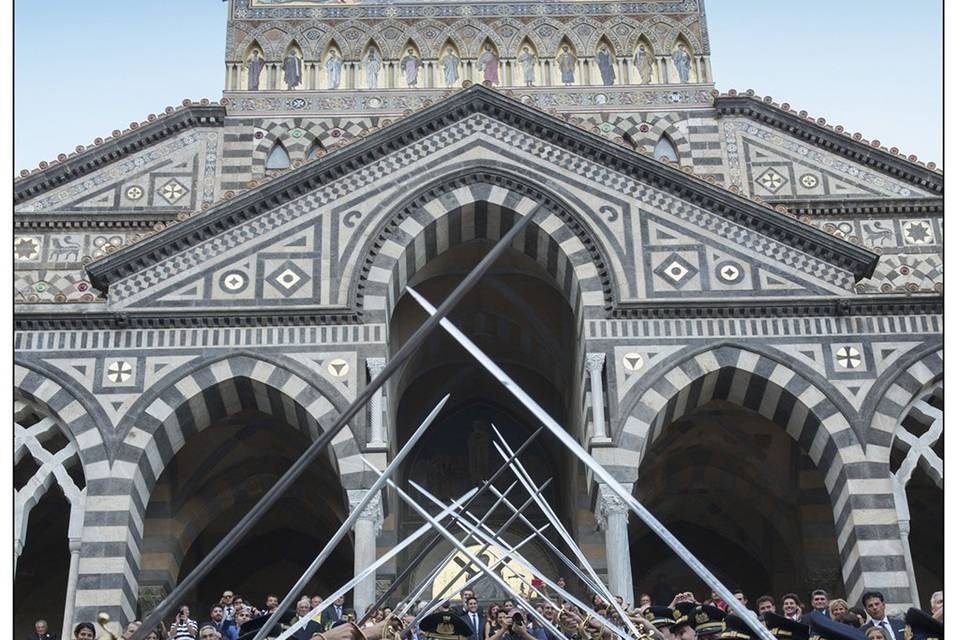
[857,479]
[157,426]
[476,206]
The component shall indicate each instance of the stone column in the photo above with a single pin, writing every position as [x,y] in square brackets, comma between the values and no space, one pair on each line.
[378,436]
[594,365]
[72,583]
[365,532]
[612,515]
[903,526]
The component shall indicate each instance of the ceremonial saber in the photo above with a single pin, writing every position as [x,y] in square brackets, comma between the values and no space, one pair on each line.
[598,469]
[529,567]
[433,574]
[563,557]
[290,476]
[349,522]
[436,539]
[302,622]
[476,561]
[501,529]
[430,608]
[548,511]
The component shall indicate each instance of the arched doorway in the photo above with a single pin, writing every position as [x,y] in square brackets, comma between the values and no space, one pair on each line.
[520,318]
[49,495]
[916,468]
[743,497]
[208,486]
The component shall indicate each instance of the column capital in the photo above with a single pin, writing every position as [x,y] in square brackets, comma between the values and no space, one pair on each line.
[594,361]
[372,511]
[376,365]
[609,505]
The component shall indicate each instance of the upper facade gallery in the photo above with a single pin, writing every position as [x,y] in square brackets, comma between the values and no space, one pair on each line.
[735,306]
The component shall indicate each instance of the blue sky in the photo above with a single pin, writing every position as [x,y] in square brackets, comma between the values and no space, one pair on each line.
[83,69]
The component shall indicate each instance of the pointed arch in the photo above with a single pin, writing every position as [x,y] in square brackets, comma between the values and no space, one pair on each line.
[315,151]
[645,68]
[366,79]
[602,76]
[673,75]
[521,75]
[278,159]
[322,77]
[450,48]
[564,48]
[666,148]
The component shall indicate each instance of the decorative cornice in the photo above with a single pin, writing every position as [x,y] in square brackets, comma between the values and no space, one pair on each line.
[740,308]
[880,206]
[122,143]
[833,139]
[478,99]
[57,317]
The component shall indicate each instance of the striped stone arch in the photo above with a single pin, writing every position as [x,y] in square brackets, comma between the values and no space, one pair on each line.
[481,204]
[898,395]
[65,411]
[657,125]
[859,489]
[186,402]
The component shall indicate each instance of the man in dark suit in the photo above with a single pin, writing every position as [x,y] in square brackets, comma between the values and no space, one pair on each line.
[461,609]
[876,609]
[333,614]
[40,631]
[473,618]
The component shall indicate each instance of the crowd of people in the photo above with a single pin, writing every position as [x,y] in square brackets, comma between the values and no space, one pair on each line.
[683,618]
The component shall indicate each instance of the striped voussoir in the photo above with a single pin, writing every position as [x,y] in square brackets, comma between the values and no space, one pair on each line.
[185,403]
[326,134]
[899,396]
[76,419]
[859,487]
[658,125]
[475,206]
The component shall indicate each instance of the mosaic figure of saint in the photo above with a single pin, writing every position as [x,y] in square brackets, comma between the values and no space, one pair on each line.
[371,65]
[490,63]
[334,65]
[292,70]
[411,68]
[681,59]
[605,62]
[254,68]
[528,62]
[451,67]
[644,64]
[567,63]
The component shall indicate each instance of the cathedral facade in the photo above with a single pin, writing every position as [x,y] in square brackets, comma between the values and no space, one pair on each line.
[737,308]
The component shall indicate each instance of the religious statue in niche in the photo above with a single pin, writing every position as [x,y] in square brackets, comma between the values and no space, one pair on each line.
[254,68]
[292,70]
[567,64]
[334,65]
[451,67]
[644,63]
[528,62]
[371,65]
[490,63]
[681,59]
[605,62]
[410,64]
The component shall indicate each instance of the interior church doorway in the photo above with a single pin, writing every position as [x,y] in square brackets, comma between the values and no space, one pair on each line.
[744,498]
[518,316]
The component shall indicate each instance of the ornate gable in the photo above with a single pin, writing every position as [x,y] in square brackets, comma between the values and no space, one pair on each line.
[305,239]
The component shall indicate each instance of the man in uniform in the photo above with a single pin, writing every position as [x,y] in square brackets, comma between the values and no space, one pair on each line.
[822,628]
[786,628]
[922,626]
[707,621]
[736,628]
[444,626]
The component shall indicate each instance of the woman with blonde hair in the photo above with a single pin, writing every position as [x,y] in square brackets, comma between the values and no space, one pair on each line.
[837,608]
